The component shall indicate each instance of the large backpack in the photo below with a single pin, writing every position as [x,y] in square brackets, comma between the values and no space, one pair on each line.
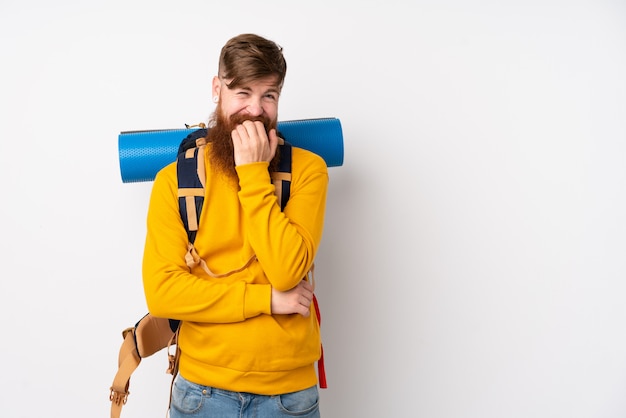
[151,334]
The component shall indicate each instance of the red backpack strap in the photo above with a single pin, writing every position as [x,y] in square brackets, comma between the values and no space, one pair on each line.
[320,363]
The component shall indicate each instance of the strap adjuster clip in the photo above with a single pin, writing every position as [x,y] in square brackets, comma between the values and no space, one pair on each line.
[118,397]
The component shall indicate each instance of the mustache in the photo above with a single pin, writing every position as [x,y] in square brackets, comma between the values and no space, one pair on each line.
[237,119]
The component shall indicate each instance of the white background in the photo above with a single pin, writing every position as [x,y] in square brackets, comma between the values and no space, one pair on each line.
[473,262]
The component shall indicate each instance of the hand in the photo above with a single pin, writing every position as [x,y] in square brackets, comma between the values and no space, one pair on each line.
[251,143]
[297,300]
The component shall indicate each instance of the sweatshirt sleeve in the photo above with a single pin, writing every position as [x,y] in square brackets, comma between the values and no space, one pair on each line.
[285,243]
[171,290]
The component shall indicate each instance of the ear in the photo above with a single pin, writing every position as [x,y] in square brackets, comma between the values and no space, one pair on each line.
[216,86]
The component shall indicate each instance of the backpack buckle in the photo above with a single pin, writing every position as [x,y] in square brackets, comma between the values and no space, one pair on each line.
[118,397]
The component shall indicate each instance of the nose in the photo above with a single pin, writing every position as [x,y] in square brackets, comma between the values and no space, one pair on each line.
[255,108]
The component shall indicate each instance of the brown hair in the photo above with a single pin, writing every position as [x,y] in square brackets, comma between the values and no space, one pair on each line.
[248,57]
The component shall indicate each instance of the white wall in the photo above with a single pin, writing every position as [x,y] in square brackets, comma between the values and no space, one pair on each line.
[473,263]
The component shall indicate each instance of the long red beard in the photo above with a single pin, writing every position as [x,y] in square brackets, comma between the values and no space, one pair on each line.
[221,151]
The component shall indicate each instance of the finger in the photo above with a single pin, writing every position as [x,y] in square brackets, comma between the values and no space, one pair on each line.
[246,132]
[306,285]
[235,136]
[253,129]
[305,301]
[260,129]
[305,312]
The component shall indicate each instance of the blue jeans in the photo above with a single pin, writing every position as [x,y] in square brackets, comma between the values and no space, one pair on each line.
[190,400]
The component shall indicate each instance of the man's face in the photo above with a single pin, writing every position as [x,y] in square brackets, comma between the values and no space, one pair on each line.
[255,99]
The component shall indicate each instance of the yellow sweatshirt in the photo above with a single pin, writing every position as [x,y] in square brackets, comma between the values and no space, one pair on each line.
[229,339]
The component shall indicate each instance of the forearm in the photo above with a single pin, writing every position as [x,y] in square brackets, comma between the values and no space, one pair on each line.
[172,290]
[285,243]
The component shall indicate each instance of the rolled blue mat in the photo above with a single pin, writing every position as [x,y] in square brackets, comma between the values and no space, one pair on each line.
[143,153]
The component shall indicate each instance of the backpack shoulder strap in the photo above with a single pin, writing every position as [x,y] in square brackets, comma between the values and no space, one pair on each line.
[282,176]
[149,335]
[128,360]
[191,175]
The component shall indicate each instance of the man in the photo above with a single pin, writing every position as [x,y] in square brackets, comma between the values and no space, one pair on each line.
[249,337]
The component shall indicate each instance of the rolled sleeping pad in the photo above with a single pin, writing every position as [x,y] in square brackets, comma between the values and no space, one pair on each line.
[143,153]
